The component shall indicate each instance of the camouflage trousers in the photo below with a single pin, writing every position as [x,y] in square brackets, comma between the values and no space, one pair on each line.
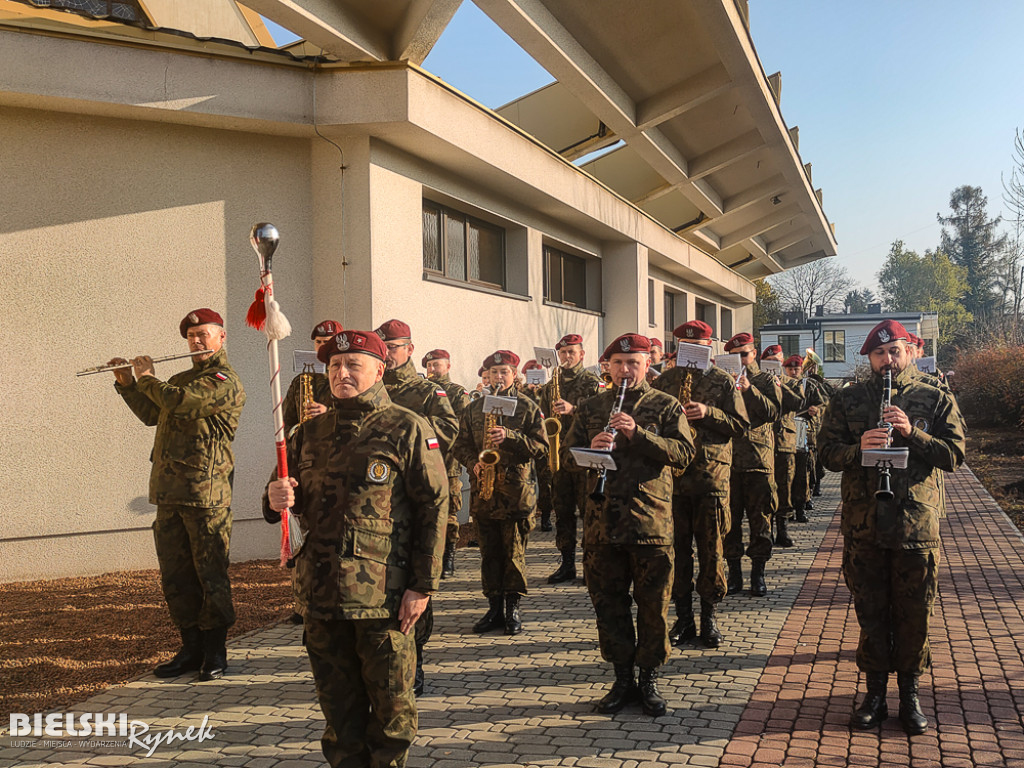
[785,470]
[800,491]
[751,494]
[192,548]
[893,594]
[363,670]
[545,503]
[568,492]
[701,520]
[503,555]
[451,536]
[611,570]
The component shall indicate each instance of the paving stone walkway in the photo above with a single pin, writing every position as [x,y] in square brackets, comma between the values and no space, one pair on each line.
[778,691]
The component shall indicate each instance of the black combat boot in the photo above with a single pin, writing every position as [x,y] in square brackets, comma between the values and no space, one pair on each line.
[913,719]
[873,710]
[651,701]
[567,570]
[684,629]
[419,681]
[513,621]
[215,654]
[735,576]
[801,515]
[757,585]
[809,505]
[709,634]
[493,619]
[448,560]
[545,521]
[188,659]
[782,538]
[622,692]
[817,490]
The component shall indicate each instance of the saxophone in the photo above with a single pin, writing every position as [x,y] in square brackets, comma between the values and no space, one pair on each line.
[304,395]
[489,458]
[686,394]
[553,425]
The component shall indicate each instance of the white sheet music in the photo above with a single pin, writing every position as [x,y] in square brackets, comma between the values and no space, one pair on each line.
[729,364]
[588,458]
[695,356]
[926,364]
[546,357]
[773,367]
[301,357]
[894,458]
[500,406]
[536,376]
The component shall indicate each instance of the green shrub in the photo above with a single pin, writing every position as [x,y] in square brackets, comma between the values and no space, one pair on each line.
[989,385]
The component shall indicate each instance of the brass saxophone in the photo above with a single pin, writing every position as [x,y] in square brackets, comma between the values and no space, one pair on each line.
[489,458]
[685,394]
[553,425]
[304,396]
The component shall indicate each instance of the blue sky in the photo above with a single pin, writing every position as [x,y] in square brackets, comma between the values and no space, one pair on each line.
[898,103]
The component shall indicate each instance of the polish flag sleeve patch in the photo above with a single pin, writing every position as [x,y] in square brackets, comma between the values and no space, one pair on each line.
[432,443]
[220,376]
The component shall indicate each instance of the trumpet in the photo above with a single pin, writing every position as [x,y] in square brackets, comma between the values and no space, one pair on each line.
[553,426]
[489,457]
[119,366]
[602,474]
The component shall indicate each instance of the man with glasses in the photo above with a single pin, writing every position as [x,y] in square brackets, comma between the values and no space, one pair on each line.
[427,399]
[752,491]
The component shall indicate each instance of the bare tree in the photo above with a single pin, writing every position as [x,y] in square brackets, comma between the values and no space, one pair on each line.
[817,283]
[1010,273]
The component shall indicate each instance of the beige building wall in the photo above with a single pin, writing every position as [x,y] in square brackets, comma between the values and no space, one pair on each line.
[112,231]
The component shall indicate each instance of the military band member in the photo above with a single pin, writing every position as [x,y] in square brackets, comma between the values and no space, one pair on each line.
[196,414]
[752,492]
[438,363]
[628,535]
[891,548]
[812,409]
[657,358]
[321,387]
[369,485]
[568,495]
[700,501]
[503,521]
[545,505]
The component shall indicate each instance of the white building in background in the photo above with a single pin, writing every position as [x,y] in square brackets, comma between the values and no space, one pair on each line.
[139,148]
[838,338]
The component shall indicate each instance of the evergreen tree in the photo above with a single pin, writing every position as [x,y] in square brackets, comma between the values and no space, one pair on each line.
[973,244]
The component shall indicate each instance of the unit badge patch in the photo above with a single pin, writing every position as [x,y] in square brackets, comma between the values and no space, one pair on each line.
[921,424]
[193,317]
[883,336]
[652,428]
[624,343]
[378,471]
[342,342]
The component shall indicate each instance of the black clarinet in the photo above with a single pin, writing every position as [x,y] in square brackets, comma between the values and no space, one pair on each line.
[602,474]
[884,492]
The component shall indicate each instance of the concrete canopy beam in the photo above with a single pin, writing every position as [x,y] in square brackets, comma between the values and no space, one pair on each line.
[785,240]
[682,97]
[760,226]
[421,27]
[726,154]
[752,195]
[330,24]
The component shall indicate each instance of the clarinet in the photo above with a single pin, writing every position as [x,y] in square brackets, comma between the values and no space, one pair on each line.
[884,492]
[602,474]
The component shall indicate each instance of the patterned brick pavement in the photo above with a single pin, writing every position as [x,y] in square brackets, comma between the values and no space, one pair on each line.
[779,690]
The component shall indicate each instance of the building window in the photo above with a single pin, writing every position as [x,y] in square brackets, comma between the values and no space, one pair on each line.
[463,248]
[726,323]
[790,343]
[670,317]
[650,302]
[566,280]
[835,346]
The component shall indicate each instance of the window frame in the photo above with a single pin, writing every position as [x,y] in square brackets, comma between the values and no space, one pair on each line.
[827,346]
[790,340]
[549,253]
[445,216]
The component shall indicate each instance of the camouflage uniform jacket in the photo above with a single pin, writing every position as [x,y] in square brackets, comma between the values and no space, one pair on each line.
[814,395]
[637,508]
[196,415]
[726,419]
[754,451]
[458,399]
[936,443]
[515,485]
[372,501]
[575,385]
[321,394]
[425,398]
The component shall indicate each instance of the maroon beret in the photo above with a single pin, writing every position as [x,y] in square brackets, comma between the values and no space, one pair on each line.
[568,340]
[501,357]
[694,330]
[602,359]
[326,328]
[202,316]
[481,371]
[774,349]
[920,343]
[885,332]
[656,342]
[435,354]
[793,360]
[739,340]
[353,341]
[628,343]
[394,329]
[532,365]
